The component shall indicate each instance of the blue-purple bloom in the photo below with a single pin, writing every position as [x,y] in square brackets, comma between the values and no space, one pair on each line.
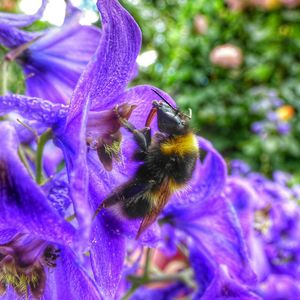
[52,60]
[90,136]
[35,255]
[272,122]
[269,215]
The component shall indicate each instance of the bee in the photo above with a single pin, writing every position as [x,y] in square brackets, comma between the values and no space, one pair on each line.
[168,159]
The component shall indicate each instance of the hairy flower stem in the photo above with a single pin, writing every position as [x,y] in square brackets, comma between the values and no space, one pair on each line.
[141,280]
[44,138]
[137,281]
[16,52]
[147,263]
[25,162]
[3,76]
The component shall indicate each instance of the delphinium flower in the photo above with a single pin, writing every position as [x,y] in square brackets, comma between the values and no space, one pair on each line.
[269,216]
[201,24]
[203,223]
[239,5]
[276,116]
[227,56]
[53,59]
[97,154]
[36,259]
[103,82]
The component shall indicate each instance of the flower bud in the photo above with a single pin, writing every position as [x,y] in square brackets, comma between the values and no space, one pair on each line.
[290,3]
[226,56]
[285,112]
[236,5]
[200,24]
[265,4]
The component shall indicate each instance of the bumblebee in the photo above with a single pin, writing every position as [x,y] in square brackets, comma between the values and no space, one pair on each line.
[168,161]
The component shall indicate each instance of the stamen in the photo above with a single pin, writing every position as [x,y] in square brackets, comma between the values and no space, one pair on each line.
[104,135]
[22,265]
[262,222]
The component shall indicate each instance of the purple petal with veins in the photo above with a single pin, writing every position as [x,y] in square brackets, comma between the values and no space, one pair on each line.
[23,204]
[22,20]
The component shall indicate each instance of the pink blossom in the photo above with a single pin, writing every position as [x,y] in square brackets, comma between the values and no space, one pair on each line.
[227,56]
[200,24]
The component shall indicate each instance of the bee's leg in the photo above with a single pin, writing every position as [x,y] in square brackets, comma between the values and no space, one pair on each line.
[142,137]
[143,140]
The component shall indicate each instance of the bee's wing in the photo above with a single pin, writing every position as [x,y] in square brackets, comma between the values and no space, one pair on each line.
[159,203]
[131,196]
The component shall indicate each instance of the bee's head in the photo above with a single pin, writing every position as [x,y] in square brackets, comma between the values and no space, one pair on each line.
[170,120]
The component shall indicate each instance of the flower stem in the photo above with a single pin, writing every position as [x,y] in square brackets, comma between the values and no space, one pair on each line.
[141,280]
[44,138]
[3,76]
[137,281]
[130,291]
[147,263]
[25,162]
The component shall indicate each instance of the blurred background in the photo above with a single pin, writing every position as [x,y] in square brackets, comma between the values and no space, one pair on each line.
[235,63]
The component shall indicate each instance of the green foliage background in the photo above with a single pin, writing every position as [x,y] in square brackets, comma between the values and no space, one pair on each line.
[221,99]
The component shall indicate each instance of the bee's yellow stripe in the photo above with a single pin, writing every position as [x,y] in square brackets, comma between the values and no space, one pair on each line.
[180,145]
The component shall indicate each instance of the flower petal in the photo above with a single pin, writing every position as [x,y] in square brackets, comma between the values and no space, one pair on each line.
[243,197]
[54,63]
[109,231]
[141,96]
[23,205]
[213,281]
[69,281]
[7,235]
[22,20]
[58,192]
[12,37]
[33,108]
[213,224]
[213,171]
[72,141]
[209,177]
[224,288]
[107,255]
[204,269]
[105,77]
[109,71]
[279,286]
[170,292]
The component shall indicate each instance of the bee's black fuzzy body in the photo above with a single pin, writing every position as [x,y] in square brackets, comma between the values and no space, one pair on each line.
[168,161]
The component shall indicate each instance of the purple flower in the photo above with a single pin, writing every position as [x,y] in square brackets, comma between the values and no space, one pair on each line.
[258,127]
[270,219]
[99,89]
[283,128]
[165,293]
[209,225]
[239,167]
[278,287]
[89,126]
[246,201]
[52,60]
[21,20]
[212,226]
[272,116]
[35,254]
[222,286]
[282,177]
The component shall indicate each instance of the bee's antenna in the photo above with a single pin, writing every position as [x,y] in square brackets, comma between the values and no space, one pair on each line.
[162,98]
[190,113]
